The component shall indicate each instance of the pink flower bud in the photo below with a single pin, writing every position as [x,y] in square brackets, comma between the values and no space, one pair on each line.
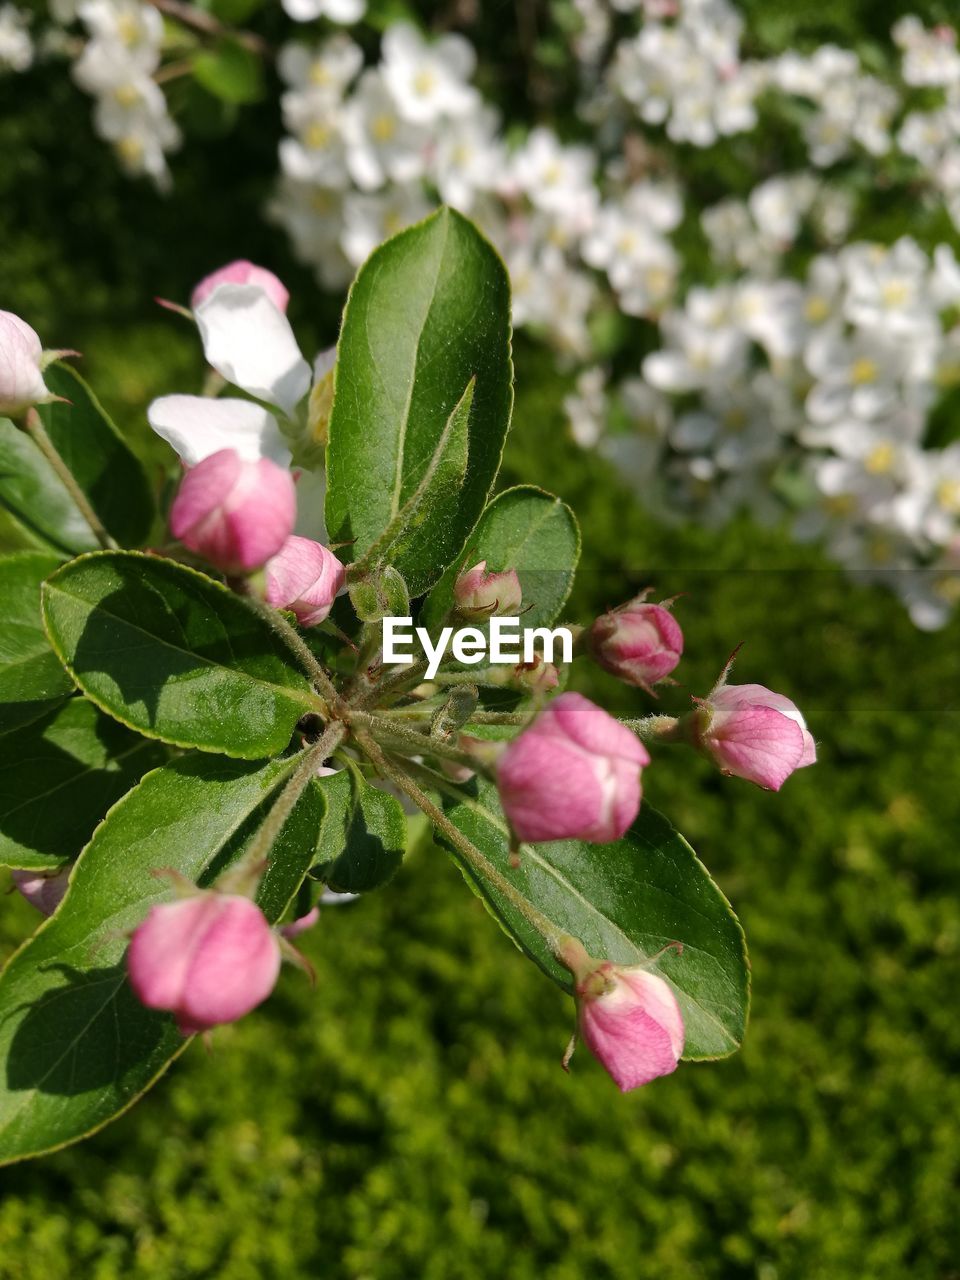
[574,772]
[304,577]
[242,272]
[482,595]
[641,643]
[536,676]
[631,1023]
[234,513]
[208,959]
[45,892]
[752,733]
[21,367]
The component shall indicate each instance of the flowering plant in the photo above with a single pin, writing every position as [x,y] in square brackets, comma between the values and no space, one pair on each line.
[202,742]
[690,219]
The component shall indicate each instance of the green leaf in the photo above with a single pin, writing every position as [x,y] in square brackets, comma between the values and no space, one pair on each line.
[528,530]
[231,72]
[32,679]
[59,776]
[624,901]
[78,1048]
[429,311]
[444,475]
[174,654]
[363,837]
[106,469]
[35,497]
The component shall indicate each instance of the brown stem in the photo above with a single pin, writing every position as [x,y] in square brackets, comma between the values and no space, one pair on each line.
[204,22]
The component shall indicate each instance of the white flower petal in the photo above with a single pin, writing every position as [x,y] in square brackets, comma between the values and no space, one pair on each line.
[197,426]
[249,341]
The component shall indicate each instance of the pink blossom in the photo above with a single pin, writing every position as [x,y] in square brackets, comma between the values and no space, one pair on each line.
[573,773]
[233,512]
[45,892]
[21,367]
[207,959]
[482,595]
[640,643]
[631,1023]
[752,733]
[304,577]
[242,272]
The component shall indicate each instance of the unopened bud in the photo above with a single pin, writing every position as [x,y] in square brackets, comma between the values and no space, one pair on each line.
[43,891]
[485,595]
[573,773]
[537,677]
[304,577]
[242,272]
[209,958]
[629,1019]
[753,733]
[639,642]
[234,513]
[21,367]
[381,593]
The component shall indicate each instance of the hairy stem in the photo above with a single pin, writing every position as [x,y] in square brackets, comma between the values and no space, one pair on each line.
[408,741]
[396,682]
[296,644]
[38,434]
[499,717]
[247,871]
[657,728]
[476,860]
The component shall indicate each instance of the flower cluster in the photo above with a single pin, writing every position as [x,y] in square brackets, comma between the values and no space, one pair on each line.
[567,771]
[117,67]
[760,303]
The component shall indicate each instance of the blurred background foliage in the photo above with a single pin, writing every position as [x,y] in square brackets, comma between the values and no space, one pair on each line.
[408,1118]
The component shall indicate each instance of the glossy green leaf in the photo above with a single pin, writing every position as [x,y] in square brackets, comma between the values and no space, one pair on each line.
[443,476]
[175,655]
[105,467]
[35,498]
[76,1045]
[429,311]
[528,530]
[59,776]
[625,901]
[32,678]
[363,837]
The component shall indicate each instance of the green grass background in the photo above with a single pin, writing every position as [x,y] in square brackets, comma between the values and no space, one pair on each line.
[408,1118]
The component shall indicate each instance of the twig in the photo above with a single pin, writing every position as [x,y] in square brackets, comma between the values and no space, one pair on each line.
[204,22]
